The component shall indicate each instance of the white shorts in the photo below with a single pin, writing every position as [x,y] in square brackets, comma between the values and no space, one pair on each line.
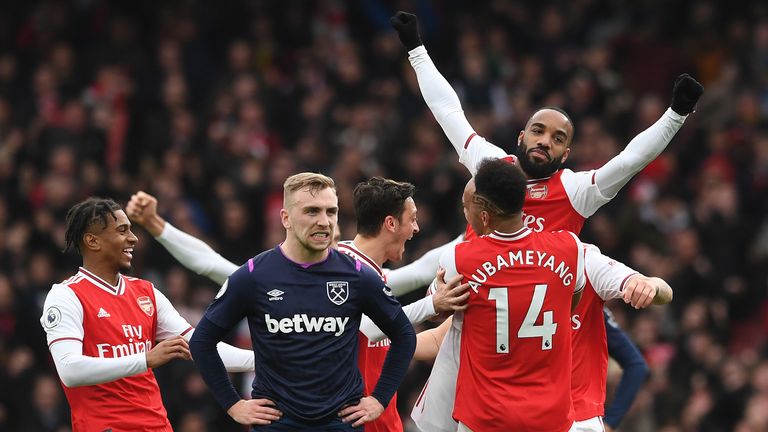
[433,411]
[595,424]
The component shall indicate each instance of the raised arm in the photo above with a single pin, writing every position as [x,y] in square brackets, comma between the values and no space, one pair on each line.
[441,98]
[649,144]
[188,250]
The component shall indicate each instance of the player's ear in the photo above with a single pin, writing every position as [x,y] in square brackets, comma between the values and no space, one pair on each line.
[285,219]
[485,217]
[390,223]
[520,137]
[91,242]
[564,157]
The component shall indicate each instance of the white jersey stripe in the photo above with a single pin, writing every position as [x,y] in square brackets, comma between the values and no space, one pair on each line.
[101,283]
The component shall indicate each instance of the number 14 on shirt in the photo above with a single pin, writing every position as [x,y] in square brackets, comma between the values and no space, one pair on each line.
[528,329]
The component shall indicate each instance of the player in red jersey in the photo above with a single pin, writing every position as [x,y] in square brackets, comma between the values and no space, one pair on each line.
[556,198]
[106,330]
[386,219]
[515,342]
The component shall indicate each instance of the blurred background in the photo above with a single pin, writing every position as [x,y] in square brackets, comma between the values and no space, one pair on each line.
[211,105]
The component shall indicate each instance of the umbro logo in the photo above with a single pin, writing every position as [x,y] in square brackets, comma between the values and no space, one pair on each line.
[275,295]
[103,314]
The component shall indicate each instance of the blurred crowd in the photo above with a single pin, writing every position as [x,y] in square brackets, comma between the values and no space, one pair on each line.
[211,105]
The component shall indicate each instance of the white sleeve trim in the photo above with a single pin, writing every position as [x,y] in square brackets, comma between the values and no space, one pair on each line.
[417,312]
[641,151]
[581,279]
[195,254]
[420,272]
[607,276]
[76,369]
[444,103]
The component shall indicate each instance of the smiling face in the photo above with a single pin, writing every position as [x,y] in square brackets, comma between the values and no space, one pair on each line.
[112,244]
[543,145]
[310,219]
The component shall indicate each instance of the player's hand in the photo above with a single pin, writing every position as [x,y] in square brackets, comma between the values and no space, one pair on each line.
[608,428]
[167,350]
[685,93]
[640,292]
[407,26]
[254,412]
[368,409]
[142,209]
[451,296]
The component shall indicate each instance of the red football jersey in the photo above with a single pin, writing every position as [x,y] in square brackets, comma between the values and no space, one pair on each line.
[115,326]
[370,357]
[516,338]
[590,356]
[605,280]
[370,360]
[548,206]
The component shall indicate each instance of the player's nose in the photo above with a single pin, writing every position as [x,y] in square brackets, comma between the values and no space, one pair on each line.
[132,239]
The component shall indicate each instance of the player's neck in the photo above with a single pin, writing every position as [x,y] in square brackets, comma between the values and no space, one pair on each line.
[300,254]
[106,272]
[508,226]
[373,248]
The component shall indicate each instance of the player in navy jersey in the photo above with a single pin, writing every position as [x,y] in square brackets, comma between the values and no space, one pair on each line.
[304,302]
[386,216]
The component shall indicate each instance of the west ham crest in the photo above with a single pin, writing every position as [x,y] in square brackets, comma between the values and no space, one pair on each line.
[338,292]
[538,191]
[145,303]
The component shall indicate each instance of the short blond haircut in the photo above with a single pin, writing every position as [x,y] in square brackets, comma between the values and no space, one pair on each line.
[315,182]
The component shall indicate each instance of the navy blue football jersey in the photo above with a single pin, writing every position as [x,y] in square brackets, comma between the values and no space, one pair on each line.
[304,321]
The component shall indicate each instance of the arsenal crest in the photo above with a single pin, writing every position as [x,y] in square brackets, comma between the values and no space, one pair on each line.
[338,292]
[145,303]
[538,191]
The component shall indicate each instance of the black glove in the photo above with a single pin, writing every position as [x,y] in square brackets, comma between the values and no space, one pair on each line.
[407,26]
[685,93]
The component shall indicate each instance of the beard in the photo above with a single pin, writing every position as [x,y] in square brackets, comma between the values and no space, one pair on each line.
[535,170]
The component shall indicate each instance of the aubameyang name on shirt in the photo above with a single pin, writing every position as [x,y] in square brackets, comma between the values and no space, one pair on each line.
[301,323]
[518,258]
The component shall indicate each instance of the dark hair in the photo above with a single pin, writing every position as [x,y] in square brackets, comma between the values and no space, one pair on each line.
[500,186]
[84,214]
[376,199]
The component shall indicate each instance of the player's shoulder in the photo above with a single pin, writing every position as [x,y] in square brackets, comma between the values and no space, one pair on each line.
[137,283]
[559,236]
[267,261]
[343,260]
[62,293]
[568,176]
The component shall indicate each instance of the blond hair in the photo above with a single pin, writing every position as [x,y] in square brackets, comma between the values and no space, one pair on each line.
[315,182]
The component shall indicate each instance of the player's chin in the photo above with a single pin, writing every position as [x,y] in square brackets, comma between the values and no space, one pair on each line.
[320,245]
[125,267]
